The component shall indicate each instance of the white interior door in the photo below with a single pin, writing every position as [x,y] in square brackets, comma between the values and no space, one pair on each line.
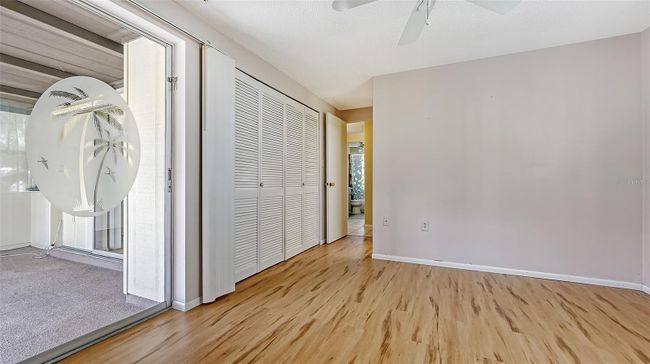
[295,115]
[336,179]
[271,217]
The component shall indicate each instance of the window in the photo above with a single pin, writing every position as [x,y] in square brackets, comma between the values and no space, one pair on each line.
[14,176]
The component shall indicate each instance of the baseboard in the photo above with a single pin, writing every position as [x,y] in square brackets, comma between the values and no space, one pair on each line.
[645,289]
[323,241]
[85,257]
[514,272]
[181,306]
[14,246]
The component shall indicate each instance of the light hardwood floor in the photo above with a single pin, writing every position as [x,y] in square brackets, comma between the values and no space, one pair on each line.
[335,304]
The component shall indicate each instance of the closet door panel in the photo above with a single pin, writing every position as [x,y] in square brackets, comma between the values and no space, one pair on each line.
[272,140]
[294,144]
[295,115]
[271,214]
[247,100]
[310,225]
[311,177]
[271,231]
[246,236]
[247,151]
[311,149]
[293,225]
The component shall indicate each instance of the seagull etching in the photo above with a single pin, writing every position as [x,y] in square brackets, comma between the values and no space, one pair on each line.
[43,161]
[110,173]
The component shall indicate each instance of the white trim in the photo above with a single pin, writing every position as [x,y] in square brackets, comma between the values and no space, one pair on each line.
[322,241]
[184,307]
[17,245]
[514,272]
[107,254]
[645,289]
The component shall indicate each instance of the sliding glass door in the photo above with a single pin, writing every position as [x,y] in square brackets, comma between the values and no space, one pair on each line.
[97,268]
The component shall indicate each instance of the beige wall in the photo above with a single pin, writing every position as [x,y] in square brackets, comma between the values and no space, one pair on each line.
[355,137]
[646,177]
[528,161]
[364,115]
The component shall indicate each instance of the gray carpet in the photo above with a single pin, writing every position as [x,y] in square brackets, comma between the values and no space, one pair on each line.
[47,302]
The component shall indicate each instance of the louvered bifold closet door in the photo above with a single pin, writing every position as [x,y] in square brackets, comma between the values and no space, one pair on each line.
[294,116]
[271,216]
[311,179]
[247,127]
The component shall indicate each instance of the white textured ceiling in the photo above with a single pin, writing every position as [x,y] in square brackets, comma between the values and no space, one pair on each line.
[336,54]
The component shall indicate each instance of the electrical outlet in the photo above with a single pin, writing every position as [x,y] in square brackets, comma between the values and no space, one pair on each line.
[424,225]
[386,222]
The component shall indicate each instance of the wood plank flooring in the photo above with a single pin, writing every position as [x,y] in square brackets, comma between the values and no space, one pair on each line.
[335,304]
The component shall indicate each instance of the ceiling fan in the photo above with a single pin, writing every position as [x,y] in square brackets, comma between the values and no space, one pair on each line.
[420,16]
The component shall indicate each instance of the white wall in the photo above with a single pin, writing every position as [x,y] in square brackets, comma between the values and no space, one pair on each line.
[645,64]
[14,219]
[528,161]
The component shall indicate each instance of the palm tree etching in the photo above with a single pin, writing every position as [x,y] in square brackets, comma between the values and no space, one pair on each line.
[104,118]
[107,145]
[107,113]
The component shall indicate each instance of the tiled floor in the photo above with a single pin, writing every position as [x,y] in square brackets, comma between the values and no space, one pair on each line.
[356,226]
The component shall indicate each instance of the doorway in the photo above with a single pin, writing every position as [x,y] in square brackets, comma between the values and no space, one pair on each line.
[356,153]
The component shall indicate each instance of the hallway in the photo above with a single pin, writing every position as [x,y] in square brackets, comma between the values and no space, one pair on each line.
[357,227]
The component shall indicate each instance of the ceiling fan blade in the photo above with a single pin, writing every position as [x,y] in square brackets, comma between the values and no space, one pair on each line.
[498,6]
[416,22]
[342,5]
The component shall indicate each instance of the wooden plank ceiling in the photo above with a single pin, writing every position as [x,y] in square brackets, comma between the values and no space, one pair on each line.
[42,42]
